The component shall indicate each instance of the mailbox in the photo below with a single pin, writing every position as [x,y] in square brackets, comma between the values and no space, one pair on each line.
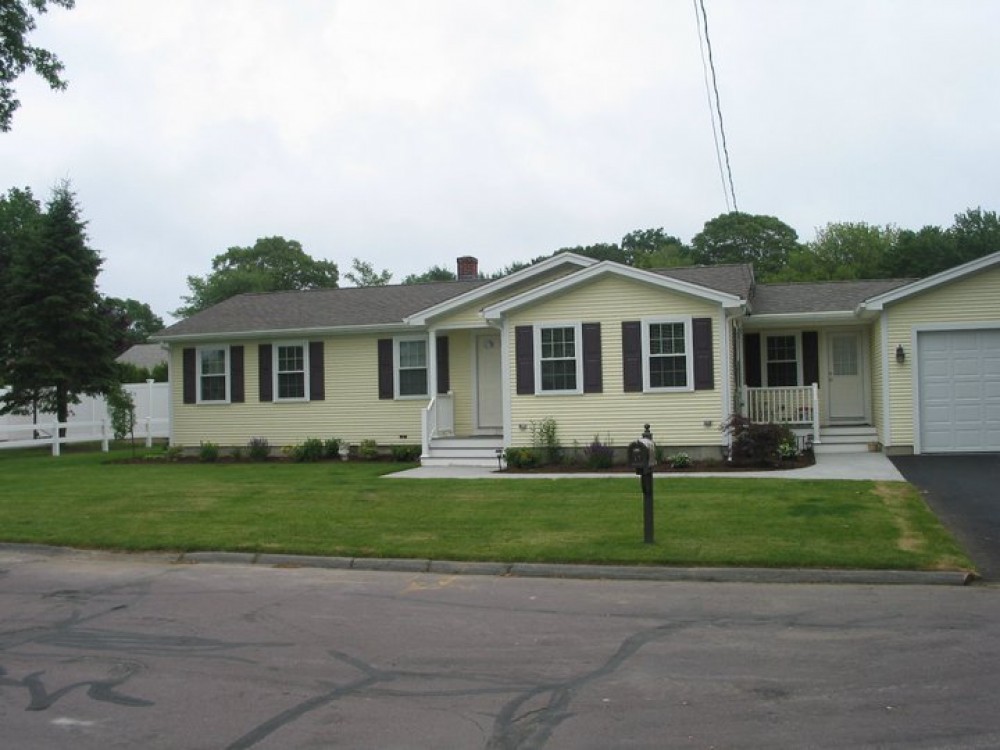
[642,455]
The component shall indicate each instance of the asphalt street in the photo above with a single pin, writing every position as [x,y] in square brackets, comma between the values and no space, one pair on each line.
[104,651]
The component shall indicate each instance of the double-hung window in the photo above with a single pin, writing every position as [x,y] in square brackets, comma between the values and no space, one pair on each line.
[667,354]
[781,358]
[213,372]
[558,358]
[411,367]
[290,367]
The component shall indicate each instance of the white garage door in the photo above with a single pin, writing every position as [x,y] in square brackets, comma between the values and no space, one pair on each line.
[959,390]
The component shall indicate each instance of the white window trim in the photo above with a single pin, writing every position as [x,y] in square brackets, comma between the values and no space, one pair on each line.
[275,373]
[227,374]
[396,371]
[798,357]
[688,354]
[578,342]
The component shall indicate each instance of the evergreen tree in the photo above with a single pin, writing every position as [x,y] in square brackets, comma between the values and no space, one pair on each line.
[59,334]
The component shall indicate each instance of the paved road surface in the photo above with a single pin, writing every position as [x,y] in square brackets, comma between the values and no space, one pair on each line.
[141,653]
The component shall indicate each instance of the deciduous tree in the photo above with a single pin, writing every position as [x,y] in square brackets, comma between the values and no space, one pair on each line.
[17,21]
[363,273]
[273,264]
[737,237]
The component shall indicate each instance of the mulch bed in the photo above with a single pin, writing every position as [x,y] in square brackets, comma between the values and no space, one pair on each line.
[696,467]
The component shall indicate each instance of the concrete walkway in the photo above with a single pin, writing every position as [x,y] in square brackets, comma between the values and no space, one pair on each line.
[861,466]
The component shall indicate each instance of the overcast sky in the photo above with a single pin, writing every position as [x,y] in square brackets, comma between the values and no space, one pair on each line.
[408,133]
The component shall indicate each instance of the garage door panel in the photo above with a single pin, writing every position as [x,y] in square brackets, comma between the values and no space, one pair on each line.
[959,390]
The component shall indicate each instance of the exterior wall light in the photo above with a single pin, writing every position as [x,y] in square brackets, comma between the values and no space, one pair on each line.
[900,354]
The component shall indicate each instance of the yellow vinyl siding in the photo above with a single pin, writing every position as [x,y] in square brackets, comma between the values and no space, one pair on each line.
[460,355]
[677,419]
[351,411]
[970,300]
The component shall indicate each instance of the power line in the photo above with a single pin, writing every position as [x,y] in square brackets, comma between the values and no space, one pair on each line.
[705,42]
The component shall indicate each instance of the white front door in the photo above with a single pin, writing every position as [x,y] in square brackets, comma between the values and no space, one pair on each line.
[489,397]
[846,379]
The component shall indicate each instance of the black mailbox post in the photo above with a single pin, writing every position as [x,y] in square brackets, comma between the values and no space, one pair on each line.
[642,457]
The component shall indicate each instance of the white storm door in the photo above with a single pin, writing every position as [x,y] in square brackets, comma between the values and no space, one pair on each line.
[489,398]
[846,379]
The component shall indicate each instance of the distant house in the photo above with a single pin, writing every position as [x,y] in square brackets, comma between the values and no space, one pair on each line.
[144,355]
[469,366]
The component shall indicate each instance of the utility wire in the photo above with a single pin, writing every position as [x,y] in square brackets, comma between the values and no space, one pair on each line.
[711,108]
[703,25]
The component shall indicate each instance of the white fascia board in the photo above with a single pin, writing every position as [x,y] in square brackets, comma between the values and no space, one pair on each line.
[284,333]
[495,312]
[421,317]
[879,301]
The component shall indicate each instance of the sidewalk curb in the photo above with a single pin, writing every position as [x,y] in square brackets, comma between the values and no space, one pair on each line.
[528,570]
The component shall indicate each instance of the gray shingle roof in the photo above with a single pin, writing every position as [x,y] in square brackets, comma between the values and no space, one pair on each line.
[143,355]
[734,278]
[318,308]
[821,296]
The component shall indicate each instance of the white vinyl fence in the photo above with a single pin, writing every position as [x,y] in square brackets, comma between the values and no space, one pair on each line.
[89,420]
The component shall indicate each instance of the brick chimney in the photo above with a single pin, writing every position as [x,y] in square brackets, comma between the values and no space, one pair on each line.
[468,268]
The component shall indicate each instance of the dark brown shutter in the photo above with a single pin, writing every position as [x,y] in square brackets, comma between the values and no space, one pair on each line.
[190,375]
[236,385]
[317,374]
[524,359]
[704,359]
[385,379]
[443,374]
[810,357]
[264,365]
[751,360]
[632,356]
[593,378]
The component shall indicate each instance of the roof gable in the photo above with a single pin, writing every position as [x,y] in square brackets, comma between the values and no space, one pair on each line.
[495,312]
[947,276]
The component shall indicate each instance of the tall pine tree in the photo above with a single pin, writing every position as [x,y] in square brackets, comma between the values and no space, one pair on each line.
[59,336]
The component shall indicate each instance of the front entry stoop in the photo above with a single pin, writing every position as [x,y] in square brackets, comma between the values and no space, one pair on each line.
[846,439]
[473,450]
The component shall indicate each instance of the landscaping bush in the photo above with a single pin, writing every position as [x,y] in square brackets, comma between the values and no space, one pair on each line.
[405,453]
[368,450]
[258,449]
[174,452]
[307,452]
[754,443]
[599,455]
[208,453]
[545,441]
[679,460]
[520,458]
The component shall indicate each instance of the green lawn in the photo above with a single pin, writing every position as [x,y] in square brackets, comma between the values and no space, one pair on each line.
[80,500]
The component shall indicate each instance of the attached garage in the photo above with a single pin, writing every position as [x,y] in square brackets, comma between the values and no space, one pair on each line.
[958,397]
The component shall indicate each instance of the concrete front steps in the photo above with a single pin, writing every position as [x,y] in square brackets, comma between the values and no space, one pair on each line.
[846,439]
[474,450]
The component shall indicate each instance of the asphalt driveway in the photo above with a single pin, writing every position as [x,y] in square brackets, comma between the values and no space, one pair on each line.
[964,491]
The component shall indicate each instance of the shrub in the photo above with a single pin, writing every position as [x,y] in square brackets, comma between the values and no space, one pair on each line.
[368,450]
[788,450]
[121,407]
[258,449]
[520,458]
[174,452]
[405,453]
[545,441]
[236,453]
[599,455]
[756,444]
[331,448]
[208,452]
[679,460]
[307,452]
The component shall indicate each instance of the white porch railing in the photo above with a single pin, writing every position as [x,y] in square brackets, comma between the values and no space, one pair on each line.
[794,405]
[437,419]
